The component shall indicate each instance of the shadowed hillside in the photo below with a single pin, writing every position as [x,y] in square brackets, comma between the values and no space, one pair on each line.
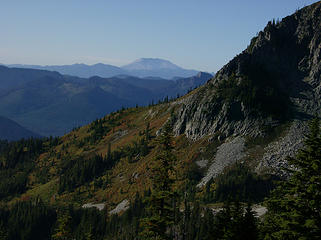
[10,130]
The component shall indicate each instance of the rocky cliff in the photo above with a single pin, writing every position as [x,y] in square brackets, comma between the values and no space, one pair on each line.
[276,80]
[276,77]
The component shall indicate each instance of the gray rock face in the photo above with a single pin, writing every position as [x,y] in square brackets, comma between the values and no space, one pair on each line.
[277,77]
[227,154]
[276,152]
[202,163]
[122,206]
[99,206]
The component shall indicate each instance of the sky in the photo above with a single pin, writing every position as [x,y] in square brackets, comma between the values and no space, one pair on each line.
[195,34]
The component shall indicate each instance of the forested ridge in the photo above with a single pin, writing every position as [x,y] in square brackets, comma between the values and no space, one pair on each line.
[161,213]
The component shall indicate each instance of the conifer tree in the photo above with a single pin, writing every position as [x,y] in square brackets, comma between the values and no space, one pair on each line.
[160,202]
[249,225]
[63,230]
[294,209]
[3,232]
[147,132]
[88,234]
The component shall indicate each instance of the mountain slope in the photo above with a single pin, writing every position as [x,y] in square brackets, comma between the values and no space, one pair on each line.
[162,88]
[14,78]
[12,131]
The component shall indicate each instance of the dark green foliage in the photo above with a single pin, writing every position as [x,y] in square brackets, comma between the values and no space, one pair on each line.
[231,222]
[160,203]
[250,224]
[27,220]
[136,150]
[294,209]
[239,182]
[127,226]
[82,224]
[194,174]
[17,159]
[100,127]
[75,173]
[63,229]
[13,182]
[88,222]
[20,152]
[35,221]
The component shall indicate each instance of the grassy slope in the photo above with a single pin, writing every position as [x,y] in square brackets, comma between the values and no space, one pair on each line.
[126,178]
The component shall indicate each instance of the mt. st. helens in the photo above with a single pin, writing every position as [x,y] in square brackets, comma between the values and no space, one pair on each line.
[146,67]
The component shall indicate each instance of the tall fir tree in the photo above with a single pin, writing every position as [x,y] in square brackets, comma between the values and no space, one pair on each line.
[63,230]
[3,232]
[161,212]
[294,209]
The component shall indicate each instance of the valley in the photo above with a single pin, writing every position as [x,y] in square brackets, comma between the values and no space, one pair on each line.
[52,104]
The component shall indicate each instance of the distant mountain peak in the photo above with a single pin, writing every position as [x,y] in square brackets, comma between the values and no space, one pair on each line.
[100,64]
[150,64]
[152,60]
[157,67]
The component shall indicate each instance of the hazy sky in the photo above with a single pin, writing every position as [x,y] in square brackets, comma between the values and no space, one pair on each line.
[198,34]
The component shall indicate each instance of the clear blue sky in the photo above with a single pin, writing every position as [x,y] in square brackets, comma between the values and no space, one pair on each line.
[198,34]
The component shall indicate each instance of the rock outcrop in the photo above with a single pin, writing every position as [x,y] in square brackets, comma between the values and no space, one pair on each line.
[276,79]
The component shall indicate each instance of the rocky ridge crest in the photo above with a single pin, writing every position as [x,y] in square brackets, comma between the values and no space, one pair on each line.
[287,56]
[277,79]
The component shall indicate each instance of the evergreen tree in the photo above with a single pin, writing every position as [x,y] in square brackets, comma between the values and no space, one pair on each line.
[147,132]
[249,229]
[3,232]
[161,212]
[294,209]
[63,230]
[88,234]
